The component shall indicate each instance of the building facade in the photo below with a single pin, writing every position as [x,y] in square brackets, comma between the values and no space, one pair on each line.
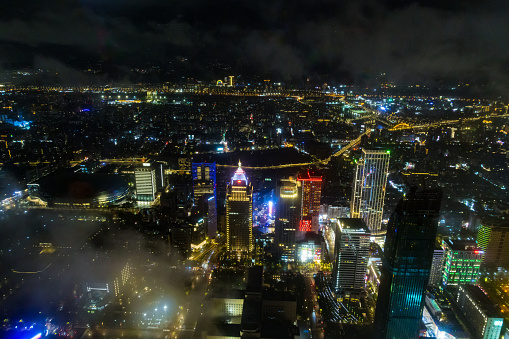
[437,267]
[368,191]
[311,195]
[407,259]
[310,248]
[239,214]
[484,321]
[462,262]
[493,239]
[204,179]
[287,217]
[351,256]
[145,178]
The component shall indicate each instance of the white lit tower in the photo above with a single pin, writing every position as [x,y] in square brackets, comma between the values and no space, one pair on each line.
[351,256]
[239,214]
[145,178]
[368,192]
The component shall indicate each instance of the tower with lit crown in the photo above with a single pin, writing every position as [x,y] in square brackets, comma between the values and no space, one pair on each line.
[287,217]
[368,192]
[239,214]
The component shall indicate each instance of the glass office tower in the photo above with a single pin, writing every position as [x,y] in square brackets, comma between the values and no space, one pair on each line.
[287,217]
[407,259]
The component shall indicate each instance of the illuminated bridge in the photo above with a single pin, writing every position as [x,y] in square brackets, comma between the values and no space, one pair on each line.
[351,144]
[404,126]
[372,117]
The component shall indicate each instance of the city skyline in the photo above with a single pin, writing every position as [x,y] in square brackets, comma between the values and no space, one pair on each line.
[274,170]
[118,41]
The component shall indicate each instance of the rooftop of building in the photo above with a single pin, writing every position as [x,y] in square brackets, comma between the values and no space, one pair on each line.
[310,236]
[309,176]
[376,151]
[482,300]
[462,245]
[221,329]
[271,294]
[495,222]
[254,279]
[277,329]
[239,177]
[227,293]
[353,225]
[251,314]
[420,202]
[287,182]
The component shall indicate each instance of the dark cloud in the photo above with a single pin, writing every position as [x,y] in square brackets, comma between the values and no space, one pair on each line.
[411,41]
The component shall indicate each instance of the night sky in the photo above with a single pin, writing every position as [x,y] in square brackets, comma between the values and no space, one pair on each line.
[423,42]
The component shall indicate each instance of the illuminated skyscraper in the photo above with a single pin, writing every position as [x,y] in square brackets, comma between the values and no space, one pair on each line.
[369,189]
[351,255]
[311,194]
[407,259]
[145,178]
[239,214]
[204,179]
[204,191]
[437,267]
[462,262]
[493,239]
[287,217]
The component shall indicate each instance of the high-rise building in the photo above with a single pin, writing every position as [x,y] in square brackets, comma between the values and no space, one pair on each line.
[287,217]
[311,194]
[462,262]
[483,319]
[239,214]
[437,267]
[211,217]
[351,256]
[425,180]
[493,239]
[204,192]
[204,179]
[145,178]
[369,189]
[407,259]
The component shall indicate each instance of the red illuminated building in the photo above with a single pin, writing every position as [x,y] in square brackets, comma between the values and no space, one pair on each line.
[311,194]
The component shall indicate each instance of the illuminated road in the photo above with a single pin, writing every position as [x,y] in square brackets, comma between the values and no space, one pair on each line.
[311,303]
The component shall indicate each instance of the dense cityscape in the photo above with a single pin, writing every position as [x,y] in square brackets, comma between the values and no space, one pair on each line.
[229,169]
[270,212]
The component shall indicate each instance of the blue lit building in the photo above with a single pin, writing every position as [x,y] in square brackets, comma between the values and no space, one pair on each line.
[204,192]
[407,259]
[204,179]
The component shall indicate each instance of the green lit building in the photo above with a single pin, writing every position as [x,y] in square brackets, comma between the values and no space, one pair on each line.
[493,239]
[462,262]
